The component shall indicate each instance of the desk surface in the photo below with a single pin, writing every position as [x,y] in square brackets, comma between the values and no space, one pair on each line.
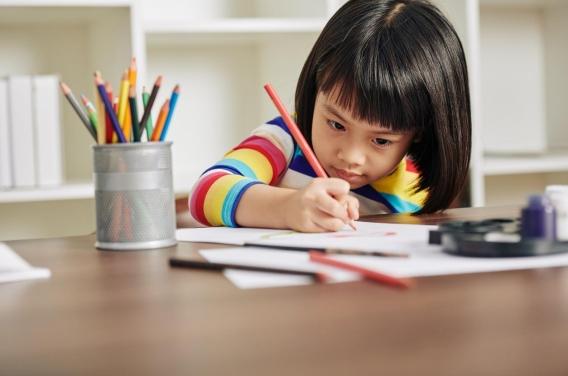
[129,313]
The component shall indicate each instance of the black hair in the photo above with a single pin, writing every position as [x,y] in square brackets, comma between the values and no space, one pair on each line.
[398,63]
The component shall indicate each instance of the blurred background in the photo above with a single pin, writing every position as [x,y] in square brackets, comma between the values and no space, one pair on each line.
[221,52]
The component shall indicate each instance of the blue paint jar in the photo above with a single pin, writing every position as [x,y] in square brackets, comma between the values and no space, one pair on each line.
[538,219]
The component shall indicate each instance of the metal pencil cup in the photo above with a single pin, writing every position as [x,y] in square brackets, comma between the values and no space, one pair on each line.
[134,196]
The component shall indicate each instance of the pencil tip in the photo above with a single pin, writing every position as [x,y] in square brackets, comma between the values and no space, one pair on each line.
[158,81]
[64,87]
[176,88]
[125,75]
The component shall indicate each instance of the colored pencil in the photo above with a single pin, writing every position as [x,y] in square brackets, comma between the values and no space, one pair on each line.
[91,113]
[217,266]
[173,101]
[148,107]
[111,135]
[123,105]
[369,274]
[134,113]
[132,75]
[101,117]
[108,107]
[296,133]
[148,126]
[161,121]
[73,102]
[329,251]
[298,137]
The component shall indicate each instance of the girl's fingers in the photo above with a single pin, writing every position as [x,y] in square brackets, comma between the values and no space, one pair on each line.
[328,223]
[352,208]
[335,187]
[331,206]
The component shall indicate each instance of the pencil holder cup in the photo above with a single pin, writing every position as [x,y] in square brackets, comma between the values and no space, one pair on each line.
[134,196]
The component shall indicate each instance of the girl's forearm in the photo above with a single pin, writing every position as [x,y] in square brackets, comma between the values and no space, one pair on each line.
[264,206]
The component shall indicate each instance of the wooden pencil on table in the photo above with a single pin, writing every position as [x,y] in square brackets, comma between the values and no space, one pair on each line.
[148,107]
[217,266]
[373,275]
[77,107]
[161,121]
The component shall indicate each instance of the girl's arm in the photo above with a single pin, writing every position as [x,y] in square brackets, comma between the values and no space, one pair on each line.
[323,205]
[241,190]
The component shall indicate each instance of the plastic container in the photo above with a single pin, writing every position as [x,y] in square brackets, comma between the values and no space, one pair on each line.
[558,196]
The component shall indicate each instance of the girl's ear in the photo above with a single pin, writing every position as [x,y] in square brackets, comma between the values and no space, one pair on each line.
[417,138]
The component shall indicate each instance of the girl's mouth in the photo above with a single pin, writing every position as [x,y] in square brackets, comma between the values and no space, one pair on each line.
[348,176]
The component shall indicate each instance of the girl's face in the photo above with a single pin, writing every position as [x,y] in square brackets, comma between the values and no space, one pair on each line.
[354,150]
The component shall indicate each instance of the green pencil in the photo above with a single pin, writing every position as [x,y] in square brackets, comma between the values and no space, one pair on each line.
[149,128]
[134,114]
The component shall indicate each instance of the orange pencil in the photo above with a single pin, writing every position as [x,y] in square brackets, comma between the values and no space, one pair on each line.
[161,120]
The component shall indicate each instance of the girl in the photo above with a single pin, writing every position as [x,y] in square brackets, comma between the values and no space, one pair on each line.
[383,100]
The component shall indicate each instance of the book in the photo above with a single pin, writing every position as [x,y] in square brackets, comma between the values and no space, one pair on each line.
[47,120]
[21,130]
[5,153]
[14,268]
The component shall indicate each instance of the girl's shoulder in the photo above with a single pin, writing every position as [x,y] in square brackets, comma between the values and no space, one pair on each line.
[398,189]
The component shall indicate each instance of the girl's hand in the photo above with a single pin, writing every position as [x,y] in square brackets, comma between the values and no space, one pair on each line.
[324,205]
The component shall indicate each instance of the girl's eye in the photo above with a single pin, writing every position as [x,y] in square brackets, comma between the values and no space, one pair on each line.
[382,142]
[335,125]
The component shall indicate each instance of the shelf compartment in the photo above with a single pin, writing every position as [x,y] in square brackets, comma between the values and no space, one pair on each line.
[512,165]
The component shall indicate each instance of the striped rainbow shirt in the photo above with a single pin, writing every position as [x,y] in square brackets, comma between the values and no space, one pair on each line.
[271,156]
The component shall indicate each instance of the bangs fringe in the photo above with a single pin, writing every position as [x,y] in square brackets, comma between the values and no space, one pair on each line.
[372,85]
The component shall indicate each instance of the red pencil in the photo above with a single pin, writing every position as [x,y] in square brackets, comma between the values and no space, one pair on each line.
[297,134]
[386,279]
[302,143]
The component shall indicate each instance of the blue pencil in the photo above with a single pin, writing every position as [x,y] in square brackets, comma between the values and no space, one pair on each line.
[108,106]
[173,101]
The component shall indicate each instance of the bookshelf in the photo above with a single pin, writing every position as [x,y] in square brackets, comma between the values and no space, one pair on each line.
[221,52]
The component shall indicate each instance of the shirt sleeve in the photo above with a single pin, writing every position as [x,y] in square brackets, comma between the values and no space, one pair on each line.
[262,158]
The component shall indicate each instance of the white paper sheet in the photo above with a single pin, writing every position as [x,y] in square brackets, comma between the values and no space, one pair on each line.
[278,259]
[368,237]
[14,268]
[424,260]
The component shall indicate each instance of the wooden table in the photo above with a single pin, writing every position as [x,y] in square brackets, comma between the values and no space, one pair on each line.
[128,313]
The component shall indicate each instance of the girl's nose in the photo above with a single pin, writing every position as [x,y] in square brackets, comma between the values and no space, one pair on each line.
[352,155]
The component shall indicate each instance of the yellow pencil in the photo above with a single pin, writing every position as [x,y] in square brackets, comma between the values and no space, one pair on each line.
[123,105]
[132,73]
[161,120]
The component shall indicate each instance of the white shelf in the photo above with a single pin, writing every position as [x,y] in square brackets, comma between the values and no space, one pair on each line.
[229,29]
[79,191]
[496,165]
[74,191]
